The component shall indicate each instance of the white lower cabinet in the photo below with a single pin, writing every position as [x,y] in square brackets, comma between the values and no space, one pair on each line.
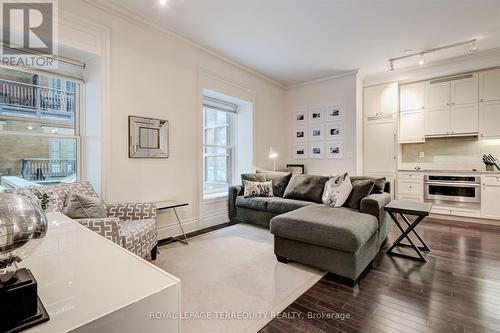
[490,197]
[410,186]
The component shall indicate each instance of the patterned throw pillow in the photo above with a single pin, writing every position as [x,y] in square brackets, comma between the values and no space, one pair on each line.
[258,189]
[337,190]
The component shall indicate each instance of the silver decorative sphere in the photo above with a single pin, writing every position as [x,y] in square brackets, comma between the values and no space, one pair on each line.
[22,226]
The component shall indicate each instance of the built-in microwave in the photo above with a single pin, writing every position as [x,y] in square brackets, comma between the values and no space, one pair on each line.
[452,189]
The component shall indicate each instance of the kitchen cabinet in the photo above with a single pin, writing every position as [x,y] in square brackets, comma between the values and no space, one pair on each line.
[490,197]
[451,106]
[380,146]
[464,118]
[370,101]
[412,126]
[412,96]
[380,101]
[437,95]
[489,85]
[489,119]
[438,121]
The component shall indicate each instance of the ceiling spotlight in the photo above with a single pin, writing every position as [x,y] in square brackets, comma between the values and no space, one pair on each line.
[163,2]
[473,47]
[422,60]
[391,66]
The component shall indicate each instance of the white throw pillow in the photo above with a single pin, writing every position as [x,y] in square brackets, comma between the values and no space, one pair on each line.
[337,190]
[258,189]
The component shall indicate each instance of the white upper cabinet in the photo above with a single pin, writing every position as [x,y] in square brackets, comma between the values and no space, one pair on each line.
[437,94]
[464,118]
[388,103]
[412,126]
[370,101]
[412,96]
[381,100]
[464,91]
[438,121]
[489,119]
[489,85]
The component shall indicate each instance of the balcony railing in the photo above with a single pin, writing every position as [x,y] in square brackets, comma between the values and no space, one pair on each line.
[39,169]
[28,100]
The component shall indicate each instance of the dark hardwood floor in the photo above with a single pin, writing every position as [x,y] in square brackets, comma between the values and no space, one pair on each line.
[457,290]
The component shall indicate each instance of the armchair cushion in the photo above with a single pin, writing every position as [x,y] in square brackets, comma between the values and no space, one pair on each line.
[132,211]
[106,227]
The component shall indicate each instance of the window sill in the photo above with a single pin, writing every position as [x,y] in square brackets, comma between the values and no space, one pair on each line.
[214,197]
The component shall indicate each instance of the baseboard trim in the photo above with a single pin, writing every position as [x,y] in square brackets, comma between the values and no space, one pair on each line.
[194,233]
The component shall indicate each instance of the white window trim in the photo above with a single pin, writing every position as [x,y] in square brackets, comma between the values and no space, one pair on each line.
[79,116]
[232,148]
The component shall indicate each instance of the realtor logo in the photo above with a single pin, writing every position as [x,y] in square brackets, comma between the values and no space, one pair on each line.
[29,33]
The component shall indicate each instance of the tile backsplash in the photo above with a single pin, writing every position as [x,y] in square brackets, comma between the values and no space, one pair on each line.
[460,153]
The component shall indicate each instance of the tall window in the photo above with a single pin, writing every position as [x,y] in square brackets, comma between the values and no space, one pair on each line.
[218,145]
[39,132]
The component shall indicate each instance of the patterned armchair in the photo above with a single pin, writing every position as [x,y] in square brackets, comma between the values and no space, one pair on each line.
[131,225]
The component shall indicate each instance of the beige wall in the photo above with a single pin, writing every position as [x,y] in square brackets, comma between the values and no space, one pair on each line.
[340,90]
[155,74]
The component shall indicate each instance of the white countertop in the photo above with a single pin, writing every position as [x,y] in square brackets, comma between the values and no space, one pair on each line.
[441,171]
[83,277]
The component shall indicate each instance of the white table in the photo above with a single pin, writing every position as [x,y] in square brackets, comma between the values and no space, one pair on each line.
[90,284]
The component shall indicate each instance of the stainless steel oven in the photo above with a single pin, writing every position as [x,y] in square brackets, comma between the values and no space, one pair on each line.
[452,189]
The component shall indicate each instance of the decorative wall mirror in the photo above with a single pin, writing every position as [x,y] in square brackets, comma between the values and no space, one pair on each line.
[148,137]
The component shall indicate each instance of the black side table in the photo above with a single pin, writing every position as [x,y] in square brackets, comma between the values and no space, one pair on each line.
[172,204]
[403,208]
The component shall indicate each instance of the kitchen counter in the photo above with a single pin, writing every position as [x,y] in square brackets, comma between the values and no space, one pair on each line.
[479,172]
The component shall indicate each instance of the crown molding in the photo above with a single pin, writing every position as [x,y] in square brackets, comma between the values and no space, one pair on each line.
[323,79]
[126,14]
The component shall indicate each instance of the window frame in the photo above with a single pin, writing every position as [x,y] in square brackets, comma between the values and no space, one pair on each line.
[231,148]
[79,117]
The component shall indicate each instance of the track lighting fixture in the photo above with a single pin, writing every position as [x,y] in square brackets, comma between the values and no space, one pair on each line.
[473,48]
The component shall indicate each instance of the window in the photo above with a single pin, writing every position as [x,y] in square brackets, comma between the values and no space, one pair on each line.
[218,146]
[39,128]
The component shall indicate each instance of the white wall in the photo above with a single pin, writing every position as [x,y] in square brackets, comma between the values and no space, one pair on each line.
[156,74]
[341,90]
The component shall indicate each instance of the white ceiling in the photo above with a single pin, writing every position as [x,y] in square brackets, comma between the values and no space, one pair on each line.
[294,41]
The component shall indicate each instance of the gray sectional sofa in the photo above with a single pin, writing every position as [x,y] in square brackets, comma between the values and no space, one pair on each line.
[343,241]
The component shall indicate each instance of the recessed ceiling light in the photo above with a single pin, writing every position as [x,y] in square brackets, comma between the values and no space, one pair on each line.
[163,2]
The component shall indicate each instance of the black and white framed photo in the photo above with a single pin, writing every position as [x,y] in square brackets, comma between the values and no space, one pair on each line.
[335,149]
[300,117]
[316,114]
[316,132]
[300,134]
[334,112]
[316,150]
[300,151]
[334,131]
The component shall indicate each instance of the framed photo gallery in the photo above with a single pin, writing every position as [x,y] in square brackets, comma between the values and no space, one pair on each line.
[319,132]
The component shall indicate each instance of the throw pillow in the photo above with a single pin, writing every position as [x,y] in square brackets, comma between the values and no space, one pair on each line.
[280,180]
[251,177]
[360,190]
[305,187]
[379,182]
[258,189]
[337,190]
[79,206]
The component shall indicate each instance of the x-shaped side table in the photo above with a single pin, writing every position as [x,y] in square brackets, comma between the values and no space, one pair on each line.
[403,208]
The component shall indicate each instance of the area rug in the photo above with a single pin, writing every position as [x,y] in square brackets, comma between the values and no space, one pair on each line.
[231,280]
